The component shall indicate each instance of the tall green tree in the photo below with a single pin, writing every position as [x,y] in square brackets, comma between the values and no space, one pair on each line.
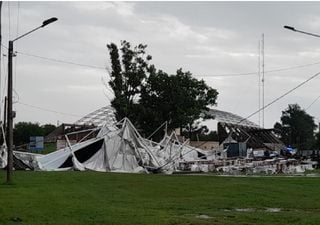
[178,99]
[129,69]
[296,128]
[149,97]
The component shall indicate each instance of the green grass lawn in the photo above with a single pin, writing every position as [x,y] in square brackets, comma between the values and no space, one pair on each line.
[76,198]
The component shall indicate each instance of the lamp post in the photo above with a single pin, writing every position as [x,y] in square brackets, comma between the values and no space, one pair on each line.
[10,114]
[311,34]
[300,31]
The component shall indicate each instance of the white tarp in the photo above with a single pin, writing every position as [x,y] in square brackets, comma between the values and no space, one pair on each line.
[117,148]
[170,152]
[114,149]
[3,156]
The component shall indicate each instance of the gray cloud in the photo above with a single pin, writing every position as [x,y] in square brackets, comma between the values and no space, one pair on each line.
[207,38]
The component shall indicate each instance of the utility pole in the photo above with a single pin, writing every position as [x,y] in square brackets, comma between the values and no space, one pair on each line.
[5,113]
[0,46]
[1,57]
[10,115]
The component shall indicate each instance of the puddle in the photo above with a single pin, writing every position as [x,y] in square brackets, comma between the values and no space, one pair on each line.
[203,216]
[270,210]
[246,210]
[313,175]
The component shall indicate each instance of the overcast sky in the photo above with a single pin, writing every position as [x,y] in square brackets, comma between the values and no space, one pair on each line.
[206,38]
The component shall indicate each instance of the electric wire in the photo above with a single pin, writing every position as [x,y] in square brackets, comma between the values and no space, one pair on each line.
[62,61]
[268,71]
[16,45]
[18,19]
[16,93]
[219,75]
[253,73]
[9,21]
[281,96]
[312,103]
[5,79]
[49,110]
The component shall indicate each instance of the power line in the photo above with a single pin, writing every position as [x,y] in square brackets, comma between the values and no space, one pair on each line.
[18,18]
[5,78]
[239,74]
[9,20]
[62,61]
[280,97]
[49,110]
[268,71]
[312,103]
[16,45]
[16,61]
[217,75]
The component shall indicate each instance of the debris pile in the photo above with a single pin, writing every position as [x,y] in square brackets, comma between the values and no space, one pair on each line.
[120,148]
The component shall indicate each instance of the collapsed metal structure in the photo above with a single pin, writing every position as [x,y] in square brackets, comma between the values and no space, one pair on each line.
[118,147]
[234,128]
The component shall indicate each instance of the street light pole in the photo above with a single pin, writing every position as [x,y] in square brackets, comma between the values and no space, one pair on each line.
[300,31]
[10,114]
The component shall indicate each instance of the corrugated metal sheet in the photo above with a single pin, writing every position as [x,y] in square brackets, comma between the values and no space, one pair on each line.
[227,117]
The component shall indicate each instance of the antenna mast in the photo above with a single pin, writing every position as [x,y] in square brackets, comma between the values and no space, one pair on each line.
[262,80]
[259,84]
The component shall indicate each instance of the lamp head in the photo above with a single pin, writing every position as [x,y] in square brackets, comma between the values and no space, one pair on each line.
[290,28]
[48,21]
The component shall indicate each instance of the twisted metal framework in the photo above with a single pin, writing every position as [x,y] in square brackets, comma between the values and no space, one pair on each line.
[227,117]
[106,114]
[99,117]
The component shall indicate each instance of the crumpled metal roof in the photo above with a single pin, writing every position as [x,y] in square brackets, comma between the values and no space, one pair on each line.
[227,117]
[106,115]
[99,117]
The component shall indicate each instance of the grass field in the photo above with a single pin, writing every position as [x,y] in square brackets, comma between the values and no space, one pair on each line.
[84,198]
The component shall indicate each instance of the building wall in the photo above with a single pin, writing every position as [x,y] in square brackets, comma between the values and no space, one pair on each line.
[205,145]
[63,143]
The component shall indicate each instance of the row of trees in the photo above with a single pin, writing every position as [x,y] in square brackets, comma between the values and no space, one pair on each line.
[297,128]
[149,97]
[23,130]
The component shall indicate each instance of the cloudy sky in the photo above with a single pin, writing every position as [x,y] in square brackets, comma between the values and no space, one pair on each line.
[207,38]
